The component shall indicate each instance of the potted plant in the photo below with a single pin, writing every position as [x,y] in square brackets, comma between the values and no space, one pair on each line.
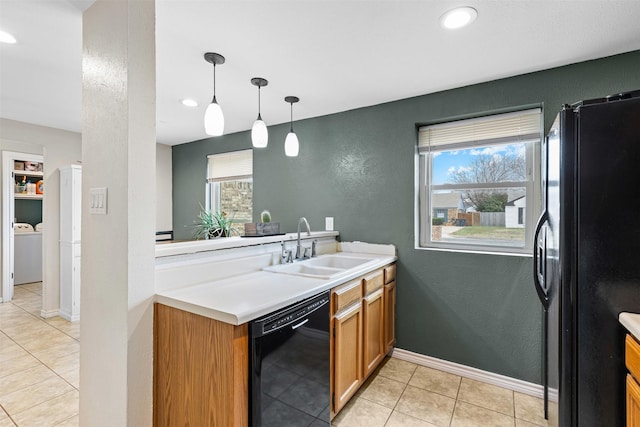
[211,224]
[263,228]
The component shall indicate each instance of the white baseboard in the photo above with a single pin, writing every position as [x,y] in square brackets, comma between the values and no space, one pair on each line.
[69,317]
[503,381]
[50,313]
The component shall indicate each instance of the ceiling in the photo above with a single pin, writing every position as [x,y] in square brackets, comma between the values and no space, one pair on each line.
[334,55]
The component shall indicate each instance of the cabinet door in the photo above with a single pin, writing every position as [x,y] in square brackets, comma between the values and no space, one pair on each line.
[347,354]
[374,344]
[633,402]
[389,315]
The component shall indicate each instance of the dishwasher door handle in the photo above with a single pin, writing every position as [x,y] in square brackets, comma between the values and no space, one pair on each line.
[300,324]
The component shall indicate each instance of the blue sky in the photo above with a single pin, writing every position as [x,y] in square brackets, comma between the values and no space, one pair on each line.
[446,161]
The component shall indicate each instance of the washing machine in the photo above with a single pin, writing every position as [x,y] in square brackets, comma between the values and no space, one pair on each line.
[27,259]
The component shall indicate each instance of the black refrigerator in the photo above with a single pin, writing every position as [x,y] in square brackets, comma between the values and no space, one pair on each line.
[587,257]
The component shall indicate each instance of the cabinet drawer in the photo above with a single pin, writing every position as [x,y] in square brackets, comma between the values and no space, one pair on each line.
[632,356]
[346,294]
[389,273]
[373,281]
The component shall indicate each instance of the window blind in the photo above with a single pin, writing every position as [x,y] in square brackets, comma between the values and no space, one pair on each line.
[230,166]
[519,126]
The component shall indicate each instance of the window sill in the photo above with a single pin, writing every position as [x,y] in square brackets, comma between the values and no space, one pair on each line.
[477,251]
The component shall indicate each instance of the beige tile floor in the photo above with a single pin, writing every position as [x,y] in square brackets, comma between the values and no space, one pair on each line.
[39,364]
[39,378]
[403,394]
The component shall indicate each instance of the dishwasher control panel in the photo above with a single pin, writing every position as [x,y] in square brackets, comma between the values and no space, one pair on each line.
[293,314]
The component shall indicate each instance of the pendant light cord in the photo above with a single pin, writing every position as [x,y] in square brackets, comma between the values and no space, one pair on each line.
[259,118]
[214,83]
[291,117]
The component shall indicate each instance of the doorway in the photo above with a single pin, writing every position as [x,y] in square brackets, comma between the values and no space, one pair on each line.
[22,198]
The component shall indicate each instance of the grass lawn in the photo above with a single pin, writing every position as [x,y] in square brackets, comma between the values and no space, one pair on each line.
[481,232]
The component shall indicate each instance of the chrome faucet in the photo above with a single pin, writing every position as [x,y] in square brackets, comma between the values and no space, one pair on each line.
[299,246]
[285,254]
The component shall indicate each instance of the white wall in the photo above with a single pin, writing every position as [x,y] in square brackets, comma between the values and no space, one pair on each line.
[118,248]
[59,148]
[511,213]
[164,188]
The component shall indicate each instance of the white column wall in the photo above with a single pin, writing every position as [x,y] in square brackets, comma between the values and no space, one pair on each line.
[116,348]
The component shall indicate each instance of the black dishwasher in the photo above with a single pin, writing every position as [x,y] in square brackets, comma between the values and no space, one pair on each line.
[289,366]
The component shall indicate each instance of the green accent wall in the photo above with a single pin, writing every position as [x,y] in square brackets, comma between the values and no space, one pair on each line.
[29,211]
[479,310]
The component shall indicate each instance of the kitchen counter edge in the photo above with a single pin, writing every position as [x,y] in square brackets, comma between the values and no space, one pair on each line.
[631,321]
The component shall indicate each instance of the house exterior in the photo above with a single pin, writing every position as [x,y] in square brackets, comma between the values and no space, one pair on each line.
[514,212]
[446,205]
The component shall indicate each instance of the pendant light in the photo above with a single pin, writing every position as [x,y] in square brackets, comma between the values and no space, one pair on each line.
[213,117]
[259,132]
[291,145]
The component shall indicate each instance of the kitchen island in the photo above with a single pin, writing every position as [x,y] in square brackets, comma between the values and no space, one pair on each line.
[207,292]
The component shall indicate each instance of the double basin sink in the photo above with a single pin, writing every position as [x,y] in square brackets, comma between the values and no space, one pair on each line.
[322,267]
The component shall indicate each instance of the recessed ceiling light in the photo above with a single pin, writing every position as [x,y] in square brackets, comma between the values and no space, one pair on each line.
[458,17]
[6,37]
[188,102]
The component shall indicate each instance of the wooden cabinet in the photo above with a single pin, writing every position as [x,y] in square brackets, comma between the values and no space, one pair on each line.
[373,334]
[373,340]
[346,354]
[201,375]
[362,332]
[389,316]
[389,307]
[632,360]
[633,402]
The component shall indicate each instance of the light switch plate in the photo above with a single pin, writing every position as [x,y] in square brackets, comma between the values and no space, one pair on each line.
[328,223]
[98,201]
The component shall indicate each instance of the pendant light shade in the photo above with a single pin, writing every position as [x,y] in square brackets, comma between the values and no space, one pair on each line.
[259,132]
[213,117]
[291,144]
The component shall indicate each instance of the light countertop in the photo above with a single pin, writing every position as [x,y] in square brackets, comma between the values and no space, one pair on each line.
[239,299]
[631,321]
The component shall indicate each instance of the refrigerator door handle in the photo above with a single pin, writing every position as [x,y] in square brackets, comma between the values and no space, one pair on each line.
[539,258]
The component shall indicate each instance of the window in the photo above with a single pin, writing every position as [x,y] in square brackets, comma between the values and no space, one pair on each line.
[230,186]
[476,183]
[520,216]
